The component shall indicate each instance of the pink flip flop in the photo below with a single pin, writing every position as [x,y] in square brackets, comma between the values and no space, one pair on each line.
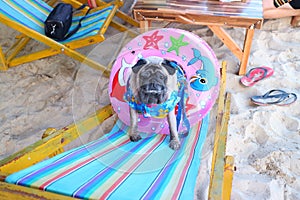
[256,74]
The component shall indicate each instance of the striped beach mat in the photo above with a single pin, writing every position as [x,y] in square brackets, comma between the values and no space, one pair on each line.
[113,167]
[33,13]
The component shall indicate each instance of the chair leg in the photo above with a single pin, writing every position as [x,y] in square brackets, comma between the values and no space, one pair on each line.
[50,52]
[17,47]
[127,18]
[3,64]
[82,58]
[123,28]
[32,57]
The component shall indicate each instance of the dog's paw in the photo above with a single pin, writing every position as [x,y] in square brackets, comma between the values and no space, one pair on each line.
[135,138]
[174,144]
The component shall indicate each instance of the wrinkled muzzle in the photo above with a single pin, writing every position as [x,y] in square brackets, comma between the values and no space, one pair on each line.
[152,93]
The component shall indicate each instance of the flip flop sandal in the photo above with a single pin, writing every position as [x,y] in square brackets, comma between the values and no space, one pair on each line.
[256,74]
[275,97]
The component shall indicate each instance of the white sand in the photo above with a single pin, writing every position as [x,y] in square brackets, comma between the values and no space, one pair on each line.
[52,92]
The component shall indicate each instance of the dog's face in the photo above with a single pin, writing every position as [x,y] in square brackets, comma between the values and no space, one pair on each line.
[152,79]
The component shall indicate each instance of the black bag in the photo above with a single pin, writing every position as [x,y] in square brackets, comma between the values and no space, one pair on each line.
[59,21]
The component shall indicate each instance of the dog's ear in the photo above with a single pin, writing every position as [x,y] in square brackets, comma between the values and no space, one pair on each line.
[170,66]
[140,63]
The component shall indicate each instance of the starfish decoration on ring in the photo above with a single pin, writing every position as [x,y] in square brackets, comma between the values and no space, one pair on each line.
[176,44]
[152,40]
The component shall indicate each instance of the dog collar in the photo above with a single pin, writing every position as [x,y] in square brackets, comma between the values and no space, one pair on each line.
[152,110]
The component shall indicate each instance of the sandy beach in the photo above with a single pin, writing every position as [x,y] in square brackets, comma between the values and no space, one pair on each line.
[264,140]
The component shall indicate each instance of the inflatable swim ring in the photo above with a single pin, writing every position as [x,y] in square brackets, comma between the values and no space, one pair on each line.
[193,54]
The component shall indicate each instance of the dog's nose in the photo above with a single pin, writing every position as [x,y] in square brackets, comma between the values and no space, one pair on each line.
[152,93]
[153,88]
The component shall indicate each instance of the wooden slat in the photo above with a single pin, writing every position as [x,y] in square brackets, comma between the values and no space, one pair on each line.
[217,178]
[220,176]
[219,114]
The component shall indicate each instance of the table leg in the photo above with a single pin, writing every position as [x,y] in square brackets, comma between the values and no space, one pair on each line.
[227,40]
[241,54]
[246,52]
[145,25]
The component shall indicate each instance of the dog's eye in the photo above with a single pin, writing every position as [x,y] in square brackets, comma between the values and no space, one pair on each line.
[160,76]
[145,74]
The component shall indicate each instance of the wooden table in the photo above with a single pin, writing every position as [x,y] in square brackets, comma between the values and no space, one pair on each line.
[213,13]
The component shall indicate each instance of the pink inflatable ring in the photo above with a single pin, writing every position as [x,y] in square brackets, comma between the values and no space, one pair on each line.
[198,64]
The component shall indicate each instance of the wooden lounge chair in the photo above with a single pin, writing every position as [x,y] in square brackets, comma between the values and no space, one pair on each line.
[112,166]
[27,17]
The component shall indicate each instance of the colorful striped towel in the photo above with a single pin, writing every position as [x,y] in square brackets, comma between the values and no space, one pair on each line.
[113,167]
[33,14]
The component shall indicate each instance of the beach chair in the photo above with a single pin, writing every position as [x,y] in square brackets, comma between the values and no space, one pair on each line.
[112,167]
[27,17]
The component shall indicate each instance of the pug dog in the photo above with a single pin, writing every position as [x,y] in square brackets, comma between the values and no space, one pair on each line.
[152,81]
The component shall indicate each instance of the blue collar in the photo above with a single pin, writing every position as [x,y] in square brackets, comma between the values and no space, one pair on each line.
[152,110]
